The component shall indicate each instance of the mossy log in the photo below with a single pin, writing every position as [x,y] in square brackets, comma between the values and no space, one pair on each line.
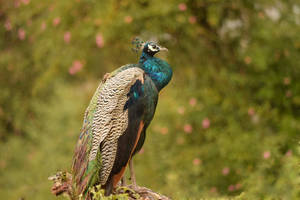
[63,186]
[145,194]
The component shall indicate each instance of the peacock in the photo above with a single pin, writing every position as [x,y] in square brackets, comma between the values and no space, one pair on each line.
[116,120]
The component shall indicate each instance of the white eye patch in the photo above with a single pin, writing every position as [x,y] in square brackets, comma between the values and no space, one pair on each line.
[153,49]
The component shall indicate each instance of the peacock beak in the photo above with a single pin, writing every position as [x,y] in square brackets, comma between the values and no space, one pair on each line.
[163,49]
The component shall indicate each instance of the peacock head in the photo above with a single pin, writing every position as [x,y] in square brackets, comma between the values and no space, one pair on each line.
[151,48]
[148,48]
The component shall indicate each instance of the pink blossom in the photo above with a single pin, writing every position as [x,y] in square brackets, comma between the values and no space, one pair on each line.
[197,161]
[231,188]
[286,80]
[247,60]
[266,154]
[43,26]
[56,21]
[51,8]
[289,153]
[76,67]
[99,40]
[17,3]
[251,111]
[213,190]
[21,34]
[128,19]
[98,22]
[238,186]
[261,15]
[77,64]
[181,110]
[187,128]
[205,123]
[225,171]
[182,6]
[25,2]
[193,101]
[255,119]
[192,19]
[67,37]
[7,25]
[288,93]
[164,130]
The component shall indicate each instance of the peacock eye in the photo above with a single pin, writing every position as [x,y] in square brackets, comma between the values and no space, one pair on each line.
[153,48]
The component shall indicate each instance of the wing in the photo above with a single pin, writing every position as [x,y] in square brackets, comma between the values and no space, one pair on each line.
[141,106]
[105,120]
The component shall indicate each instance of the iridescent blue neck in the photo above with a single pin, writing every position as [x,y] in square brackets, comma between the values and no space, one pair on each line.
[159,70]
[144,57]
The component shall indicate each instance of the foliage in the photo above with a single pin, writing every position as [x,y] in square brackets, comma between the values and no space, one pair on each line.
[99,194]
[226,126]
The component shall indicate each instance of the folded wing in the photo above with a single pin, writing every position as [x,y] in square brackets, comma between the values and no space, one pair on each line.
[105,121]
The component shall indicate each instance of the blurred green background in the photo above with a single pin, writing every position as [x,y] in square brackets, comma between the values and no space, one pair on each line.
[227,125]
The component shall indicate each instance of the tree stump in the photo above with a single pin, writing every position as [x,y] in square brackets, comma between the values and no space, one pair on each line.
[145,194]
[63,185]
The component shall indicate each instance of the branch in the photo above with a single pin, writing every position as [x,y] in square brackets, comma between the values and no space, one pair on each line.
[63,185]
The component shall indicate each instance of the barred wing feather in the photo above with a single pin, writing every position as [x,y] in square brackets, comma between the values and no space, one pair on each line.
[104,122]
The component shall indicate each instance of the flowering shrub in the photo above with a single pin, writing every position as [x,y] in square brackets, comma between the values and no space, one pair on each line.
[226,126]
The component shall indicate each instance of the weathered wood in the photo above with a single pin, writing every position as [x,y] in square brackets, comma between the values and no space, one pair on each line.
[144,194]
[63,185]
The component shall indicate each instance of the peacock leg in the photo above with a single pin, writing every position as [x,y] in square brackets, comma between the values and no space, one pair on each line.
[132,175]
[123,181]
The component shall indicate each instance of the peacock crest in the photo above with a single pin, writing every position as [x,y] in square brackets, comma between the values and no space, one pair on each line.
[138,44]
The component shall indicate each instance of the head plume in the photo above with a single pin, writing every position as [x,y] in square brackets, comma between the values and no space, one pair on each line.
[138,44]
